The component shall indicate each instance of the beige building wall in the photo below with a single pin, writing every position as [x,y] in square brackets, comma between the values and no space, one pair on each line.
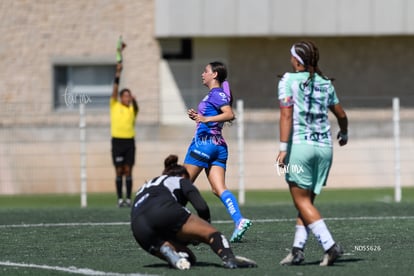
[39,145]
[34,34]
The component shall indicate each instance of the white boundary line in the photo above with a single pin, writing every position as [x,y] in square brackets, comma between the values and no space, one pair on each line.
[71,269]
[344,218]
[63,224]
[74,224]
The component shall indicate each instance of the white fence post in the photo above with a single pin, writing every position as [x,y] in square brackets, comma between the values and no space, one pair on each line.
[83,176]
[240,140]
[397,161]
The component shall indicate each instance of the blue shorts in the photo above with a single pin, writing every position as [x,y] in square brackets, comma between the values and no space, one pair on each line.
[205,153]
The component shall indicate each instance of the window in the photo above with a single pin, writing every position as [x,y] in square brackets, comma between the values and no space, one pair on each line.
[90,84]
[179,49]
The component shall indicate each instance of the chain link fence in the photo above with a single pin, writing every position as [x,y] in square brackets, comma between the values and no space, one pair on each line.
[41,153]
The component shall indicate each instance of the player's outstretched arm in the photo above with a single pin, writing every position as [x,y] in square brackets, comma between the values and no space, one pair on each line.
[116,81]
[194,197]
[342,119]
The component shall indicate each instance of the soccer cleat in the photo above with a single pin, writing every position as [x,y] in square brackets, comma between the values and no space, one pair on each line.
[331,255]
[295,257]
[127,203]
[121,203]
[241,228]
[176,260]
[238,262]
[189,255]
[182,264]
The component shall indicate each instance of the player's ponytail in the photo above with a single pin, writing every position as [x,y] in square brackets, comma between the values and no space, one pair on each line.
[170,161]
[172,168]
[226,88]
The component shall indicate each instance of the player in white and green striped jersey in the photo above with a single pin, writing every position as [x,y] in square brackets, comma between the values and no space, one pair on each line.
[310,107]
[305,150]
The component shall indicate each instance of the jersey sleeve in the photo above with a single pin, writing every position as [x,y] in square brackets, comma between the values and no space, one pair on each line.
[219,99]
[285,93]
[194,197]
[333,98]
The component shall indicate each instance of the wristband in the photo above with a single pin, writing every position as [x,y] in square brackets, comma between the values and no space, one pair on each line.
[116,80]
[283,146]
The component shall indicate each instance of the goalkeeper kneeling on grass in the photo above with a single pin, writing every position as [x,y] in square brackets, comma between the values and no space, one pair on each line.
[163,226]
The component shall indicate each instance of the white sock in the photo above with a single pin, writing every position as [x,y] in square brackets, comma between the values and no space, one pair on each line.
[322,234]
[301,235]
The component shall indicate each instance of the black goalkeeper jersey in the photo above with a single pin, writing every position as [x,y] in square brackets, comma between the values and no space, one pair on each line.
[171,188]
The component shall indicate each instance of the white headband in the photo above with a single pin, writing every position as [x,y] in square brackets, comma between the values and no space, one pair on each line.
[293,52]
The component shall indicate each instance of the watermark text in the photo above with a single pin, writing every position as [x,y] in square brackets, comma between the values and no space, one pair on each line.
[288,168]
[73,97]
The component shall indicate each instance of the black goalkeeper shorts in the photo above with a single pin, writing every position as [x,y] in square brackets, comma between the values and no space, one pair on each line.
[153,223]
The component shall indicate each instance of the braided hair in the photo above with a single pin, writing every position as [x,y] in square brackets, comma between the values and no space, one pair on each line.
[309,55]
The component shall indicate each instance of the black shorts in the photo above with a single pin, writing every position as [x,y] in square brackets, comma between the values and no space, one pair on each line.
[154,223]
[123,151]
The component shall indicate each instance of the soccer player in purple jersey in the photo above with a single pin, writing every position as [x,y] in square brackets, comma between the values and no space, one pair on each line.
[208,149]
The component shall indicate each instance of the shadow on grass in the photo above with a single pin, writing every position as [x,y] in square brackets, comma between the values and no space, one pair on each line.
[340,262]
[206,264]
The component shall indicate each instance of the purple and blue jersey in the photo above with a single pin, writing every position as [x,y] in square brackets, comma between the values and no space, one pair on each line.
[211,106]
[208,147]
